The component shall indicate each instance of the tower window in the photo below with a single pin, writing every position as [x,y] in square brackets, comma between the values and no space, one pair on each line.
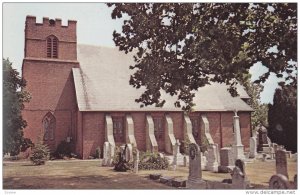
[49,124]
[52,47]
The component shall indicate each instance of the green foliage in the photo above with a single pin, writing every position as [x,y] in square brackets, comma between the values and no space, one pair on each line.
[150,161]
[13,98]
[64,149]
[283,117]
[179,47]
[40,154]
[260,114]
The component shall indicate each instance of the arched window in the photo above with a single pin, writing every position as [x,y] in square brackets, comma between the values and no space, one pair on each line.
[52,47]
[49,124]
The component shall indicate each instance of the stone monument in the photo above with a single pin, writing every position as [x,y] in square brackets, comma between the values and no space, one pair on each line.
[226,160]
[263,145]
[195,173]
[238,147]
[212,160]
[253,147]
[281,163]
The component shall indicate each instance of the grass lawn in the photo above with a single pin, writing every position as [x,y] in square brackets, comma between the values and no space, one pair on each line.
[90,175]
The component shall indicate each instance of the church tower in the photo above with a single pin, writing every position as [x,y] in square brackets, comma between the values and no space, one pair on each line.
[50,54]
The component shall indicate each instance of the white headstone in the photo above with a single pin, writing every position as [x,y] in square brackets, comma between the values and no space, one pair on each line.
[136,161]
[105,154]
[128,153]
[253,147]
[212,160]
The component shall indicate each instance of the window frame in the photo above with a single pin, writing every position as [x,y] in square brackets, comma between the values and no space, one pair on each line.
[118,129]
[49,127]
[52,46]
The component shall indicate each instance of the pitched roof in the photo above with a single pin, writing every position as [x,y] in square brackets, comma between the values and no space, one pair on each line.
[102,84]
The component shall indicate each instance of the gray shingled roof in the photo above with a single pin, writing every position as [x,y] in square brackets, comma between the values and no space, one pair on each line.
[102,84]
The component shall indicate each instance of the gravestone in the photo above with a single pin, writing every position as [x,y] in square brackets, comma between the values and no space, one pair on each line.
[281,163]
[271,152]
[111,154]
[226,160]
[176,153]
[128,153]
[136,160]
[279,181]
[195,173]
[238,147]
[105,154]
[212,161]
[263,145]
[203,161]
[239,178]
[253,147]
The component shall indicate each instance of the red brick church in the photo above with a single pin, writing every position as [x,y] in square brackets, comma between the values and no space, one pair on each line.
[81,94]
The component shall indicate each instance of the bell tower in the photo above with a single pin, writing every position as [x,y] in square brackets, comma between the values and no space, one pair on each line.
[50,54]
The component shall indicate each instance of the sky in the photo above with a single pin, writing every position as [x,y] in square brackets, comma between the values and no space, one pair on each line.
[94,27]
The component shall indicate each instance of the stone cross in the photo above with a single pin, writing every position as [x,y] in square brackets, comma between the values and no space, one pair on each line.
[212,160]
[195,172]
[238,147]
[253,147]
[281,163]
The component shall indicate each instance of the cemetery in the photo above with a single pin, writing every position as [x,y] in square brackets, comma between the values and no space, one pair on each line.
[265,166]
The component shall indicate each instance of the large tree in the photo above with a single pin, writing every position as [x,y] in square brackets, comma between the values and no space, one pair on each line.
[260,110]
[283,117]
[180,47]
[13,99]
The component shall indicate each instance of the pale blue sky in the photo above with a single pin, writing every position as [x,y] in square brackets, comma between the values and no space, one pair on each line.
[94,26]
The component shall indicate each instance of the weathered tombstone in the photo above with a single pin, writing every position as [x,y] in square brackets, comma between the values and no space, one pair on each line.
[271,152]
[281,163]
[195,173]
[111,154]
[203,161]
[263,145]
[239,179]
[226,160]
[212,161]
[253,147]
[279,181]
[121,165]
[184,160]
[105,161]
[175,153]
[136,160]
[128,153]
[295,182]
[238,147]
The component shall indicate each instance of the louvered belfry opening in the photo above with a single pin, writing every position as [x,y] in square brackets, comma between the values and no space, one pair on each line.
[52,47]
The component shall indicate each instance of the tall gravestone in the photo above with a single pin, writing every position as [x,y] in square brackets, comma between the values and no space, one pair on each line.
[263,145]
[195,173]
[238,147]
[253,147]
[212,160]
[281,163]
[136,160]
[105,154]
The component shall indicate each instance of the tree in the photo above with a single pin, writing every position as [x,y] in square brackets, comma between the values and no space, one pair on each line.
[13,99]
[180,47]
[283,117]
[260,113]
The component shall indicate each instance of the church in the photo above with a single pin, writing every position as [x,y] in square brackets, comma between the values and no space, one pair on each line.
[81,94]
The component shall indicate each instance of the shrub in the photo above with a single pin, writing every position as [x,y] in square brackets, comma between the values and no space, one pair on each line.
[64,149]
[40,154]
[150,161]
